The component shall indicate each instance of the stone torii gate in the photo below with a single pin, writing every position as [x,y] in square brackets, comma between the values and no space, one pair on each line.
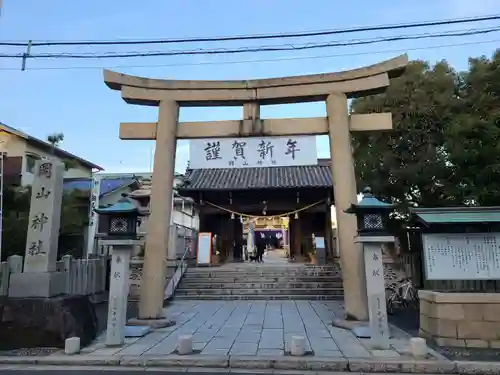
[334,88]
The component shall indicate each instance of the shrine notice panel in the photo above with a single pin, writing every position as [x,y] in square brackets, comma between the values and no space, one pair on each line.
[467,256]
[252,152]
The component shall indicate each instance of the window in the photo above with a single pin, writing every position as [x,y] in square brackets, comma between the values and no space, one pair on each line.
[30,162]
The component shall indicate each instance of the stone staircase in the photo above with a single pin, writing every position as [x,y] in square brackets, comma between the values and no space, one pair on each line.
[261,282]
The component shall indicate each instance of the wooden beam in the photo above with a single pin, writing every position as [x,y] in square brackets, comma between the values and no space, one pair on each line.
[370,122]
[138,130]
[270,127]
[394,67]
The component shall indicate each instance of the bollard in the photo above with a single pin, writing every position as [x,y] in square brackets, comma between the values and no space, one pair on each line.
[298,347]
[72,345]
[418,347]
[185,345]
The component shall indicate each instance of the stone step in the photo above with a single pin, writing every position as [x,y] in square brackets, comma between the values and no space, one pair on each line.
[288,291]
[278,280]
[258,277]
[263,269]
[259,285]
[253,297]
[231,278]
[255,274]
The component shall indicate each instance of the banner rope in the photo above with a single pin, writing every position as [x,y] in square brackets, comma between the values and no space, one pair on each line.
[285,214]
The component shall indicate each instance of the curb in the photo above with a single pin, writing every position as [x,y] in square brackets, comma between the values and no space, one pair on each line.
[371,365]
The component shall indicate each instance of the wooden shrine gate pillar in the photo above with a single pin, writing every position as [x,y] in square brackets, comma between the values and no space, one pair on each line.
[344,186]
[157,237]
[335,88]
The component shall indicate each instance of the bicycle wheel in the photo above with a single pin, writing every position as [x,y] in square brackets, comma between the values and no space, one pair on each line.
[413,300]
[393,301]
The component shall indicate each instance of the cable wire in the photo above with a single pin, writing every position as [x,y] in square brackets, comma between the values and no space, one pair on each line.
[262,36]
[281,48]
[452,45]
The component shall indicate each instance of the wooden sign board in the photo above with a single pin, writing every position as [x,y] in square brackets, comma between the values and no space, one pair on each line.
[467,256]
[204,253]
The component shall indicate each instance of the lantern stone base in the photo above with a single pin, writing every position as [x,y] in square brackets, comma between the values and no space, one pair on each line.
[37,284]
[46,322]
[469,320]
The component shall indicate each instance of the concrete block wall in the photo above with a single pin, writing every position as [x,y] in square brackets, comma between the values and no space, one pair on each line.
[469,320]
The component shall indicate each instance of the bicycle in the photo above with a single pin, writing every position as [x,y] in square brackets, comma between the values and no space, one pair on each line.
[401,296]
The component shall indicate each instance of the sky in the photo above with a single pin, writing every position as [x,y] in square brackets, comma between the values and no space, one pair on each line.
[68,96]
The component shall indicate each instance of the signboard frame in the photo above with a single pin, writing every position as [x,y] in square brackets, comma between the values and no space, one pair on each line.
[201,261]
[252,152]
[426,237]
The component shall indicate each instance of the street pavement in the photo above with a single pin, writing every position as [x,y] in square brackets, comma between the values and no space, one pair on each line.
[251,328]
[121,371]
[103,372]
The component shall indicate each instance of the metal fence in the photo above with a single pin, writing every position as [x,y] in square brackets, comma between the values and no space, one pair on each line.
[83,276]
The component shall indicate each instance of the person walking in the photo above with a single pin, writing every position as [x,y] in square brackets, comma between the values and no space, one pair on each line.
[261,247]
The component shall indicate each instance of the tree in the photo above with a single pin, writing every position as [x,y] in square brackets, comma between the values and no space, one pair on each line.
[409,164]
[55,140]
[473,139]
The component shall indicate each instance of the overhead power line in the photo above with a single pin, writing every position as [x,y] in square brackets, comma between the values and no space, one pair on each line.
[259,37]
[276,48]
[280,59]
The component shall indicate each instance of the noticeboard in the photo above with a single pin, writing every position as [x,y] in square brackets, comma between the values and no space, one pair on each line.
[204,253]
[465,256]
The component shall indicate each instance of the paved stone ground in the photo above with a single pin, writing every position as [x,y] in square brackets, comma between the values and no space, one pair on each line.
[253,328]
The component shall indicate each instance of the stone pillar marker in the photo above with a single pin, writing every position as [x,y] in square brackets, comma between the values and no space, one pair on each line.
[118,292]
[39,278]
[375,288]
[372,216]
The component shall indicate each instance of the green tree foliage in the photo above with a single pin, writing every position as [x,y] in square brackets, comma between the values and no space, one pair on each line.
[473,140]
[444,147]
[55,140]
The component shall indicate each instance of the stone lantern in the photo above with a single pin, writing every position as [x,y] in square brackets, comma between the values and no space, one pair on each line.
[122,218]
[372,214]
[372,217]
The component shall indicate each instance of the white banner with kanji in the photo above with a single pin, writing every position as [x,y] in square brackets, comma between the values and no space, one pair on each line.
[252,152]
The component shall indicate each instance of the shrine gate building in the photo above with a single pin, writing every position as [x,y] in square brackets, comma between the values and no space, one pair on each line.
[222,194]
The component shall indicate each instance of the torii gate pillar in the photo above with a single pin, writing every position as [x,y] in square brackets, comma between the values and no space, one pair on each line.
[158,228]
[334,88]
[344,187]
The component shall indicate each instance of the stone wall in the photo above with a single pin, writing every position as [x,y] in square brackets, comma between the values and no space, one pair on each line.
[460,319]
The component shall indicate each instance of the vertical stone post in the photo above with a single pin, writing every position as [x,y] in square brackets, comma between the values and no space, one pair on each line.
[344,185]
[153,283]
[375,285]
[118,294]
[40,277]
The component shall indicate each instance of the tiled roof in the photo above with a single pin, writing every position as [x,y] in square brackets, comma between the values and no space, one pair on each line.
[258,178]
[457,215]
[107,185]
